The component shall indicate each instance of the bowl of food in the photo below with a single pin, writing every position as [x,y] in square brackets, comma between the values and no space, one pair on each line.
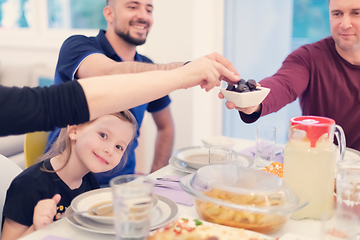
[197,156]
[97,205]
[245,94]
[218,141]
[240,197]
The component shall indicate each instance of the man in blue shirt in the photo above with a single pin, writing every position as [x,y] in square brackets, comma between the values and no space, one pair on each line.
[112,52]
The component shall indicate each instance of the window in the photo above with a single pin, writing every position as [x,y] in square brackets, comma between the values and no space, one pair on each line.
[310,22]
[76,14]
[15,14]
[60,14]
[42,23]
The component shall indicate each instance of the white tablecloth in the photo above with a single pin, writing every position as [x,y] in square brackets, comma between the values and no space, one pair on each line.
[308,229]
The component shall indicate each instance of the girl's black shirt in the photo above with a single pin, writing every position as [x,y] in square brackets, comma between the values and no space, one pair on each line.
[35,184]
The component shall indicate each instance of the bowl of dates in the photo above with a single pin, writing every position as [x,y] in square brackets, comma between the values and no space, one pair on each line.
[245,93]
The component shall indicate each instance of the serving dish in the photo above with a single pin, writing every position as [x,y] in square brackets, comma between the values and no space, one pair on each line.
[246,99]
[240,197]
[87,201]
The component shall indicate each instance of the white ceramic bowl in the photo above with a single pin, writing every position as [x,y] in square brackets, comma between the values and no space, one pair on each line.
[246,99]
[218,141]
[187,154]
[89,199]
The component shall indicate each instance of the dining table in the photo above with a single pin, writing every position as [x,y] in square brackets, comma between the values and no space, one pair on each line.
[62,229]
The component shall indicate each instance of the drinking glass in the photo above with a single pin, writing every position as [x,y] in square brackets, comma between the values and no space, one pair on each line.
[220,155]
[132,196]
[348,191]
[265,146]
[340,226]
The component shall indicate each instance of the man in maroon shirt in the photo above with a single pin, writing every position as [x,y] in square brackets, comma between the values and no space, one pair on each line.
[325,76]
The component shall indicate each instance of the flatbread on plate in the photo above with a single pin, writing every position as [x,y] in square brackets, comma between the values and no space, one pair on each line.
[192,229]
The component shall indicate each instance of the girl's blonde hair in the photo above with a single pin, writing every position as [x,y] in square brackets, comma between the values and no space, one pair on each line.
[62,146]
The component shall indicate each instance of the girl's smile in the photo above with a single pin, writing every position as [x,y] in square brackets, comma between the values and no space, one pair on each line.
[102,160]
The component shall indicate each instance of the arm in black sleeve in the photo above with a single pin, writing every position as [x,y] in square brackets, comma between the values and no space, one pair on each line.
[27,109]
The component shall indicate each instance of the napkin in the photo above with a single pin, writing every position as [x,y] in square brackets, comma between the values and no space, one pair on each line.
[251,152]
[52,237]
[175,193]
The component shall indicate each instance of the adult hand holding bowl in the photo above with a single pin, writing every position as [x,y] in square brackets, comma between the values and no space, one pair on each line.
[245,96]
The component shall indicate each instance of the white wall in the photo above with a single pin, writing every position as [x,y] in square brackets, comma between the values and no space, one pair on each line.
[183,30]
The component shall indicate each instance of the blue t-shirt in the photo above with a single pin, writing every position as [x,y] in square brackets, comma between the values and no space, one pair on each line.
[73,51]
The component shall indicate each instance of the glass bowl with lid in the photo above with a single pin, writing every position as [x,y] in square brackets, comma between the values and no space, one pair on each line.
[240,197]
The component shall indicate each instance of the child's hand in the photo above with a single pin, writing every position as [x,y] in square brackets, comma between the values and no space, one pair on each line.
[45,211]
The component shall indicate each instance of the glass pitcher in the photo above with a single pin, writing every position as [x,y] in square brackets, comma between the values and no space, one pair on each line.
[310,158]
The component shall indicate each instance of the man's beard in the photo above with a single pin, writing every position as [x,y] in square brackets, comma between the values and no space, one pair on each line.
[129,39]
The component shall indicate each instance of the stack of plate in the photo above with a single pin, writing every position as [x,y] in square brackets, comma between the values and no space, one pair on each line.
[163,211]
[182,159]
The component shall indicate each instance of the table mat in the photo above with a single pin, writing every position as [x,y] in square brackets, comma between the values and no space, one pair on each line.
[177,194]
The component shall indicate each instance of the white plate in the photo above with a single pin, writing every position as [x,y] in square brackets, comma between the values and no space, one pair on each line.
[89,199]
[351,155]
[164,212]
[183,153]
[181,166]
[244,160]
[290,236]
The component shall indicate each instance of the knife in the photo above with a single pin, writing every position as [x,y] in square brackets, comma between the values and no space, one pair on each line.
[168,186]
[168,179]
[280,151]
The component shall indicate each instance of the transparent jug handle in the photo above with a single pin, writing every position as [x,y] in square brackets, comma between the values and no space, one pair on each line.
[340,136]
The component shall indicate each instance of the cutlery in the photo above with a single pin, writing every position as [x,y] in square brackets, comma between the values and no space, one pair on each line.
[168,186]
[98,211]
[102,210]
[168,179]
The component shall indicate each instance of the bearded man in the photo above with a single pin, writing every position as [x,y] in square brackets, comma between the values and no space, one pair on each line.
[113,52]
[324,76]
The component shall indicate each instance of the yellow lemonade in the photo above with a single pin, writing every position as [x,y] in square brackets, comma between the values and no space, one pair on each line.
[310,172]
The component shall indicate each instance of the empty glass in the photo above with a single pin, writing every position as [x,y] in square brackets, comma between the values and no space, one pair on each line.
[265,146]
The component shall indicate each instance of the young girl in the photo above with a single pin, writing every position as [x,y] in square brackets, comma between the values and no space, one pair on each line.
[42,192]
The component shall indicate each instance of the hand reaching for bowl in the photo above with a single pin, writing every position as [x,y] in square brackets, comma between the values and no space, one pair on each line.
[207,71]
[44,212]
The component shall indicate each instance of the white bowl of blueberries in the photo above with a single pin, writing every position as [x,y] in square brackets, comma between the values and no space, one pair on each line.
[245,93]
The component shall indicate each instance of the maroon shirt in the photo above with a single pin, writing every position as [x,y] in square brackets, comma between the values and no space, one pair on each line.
[326,84]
